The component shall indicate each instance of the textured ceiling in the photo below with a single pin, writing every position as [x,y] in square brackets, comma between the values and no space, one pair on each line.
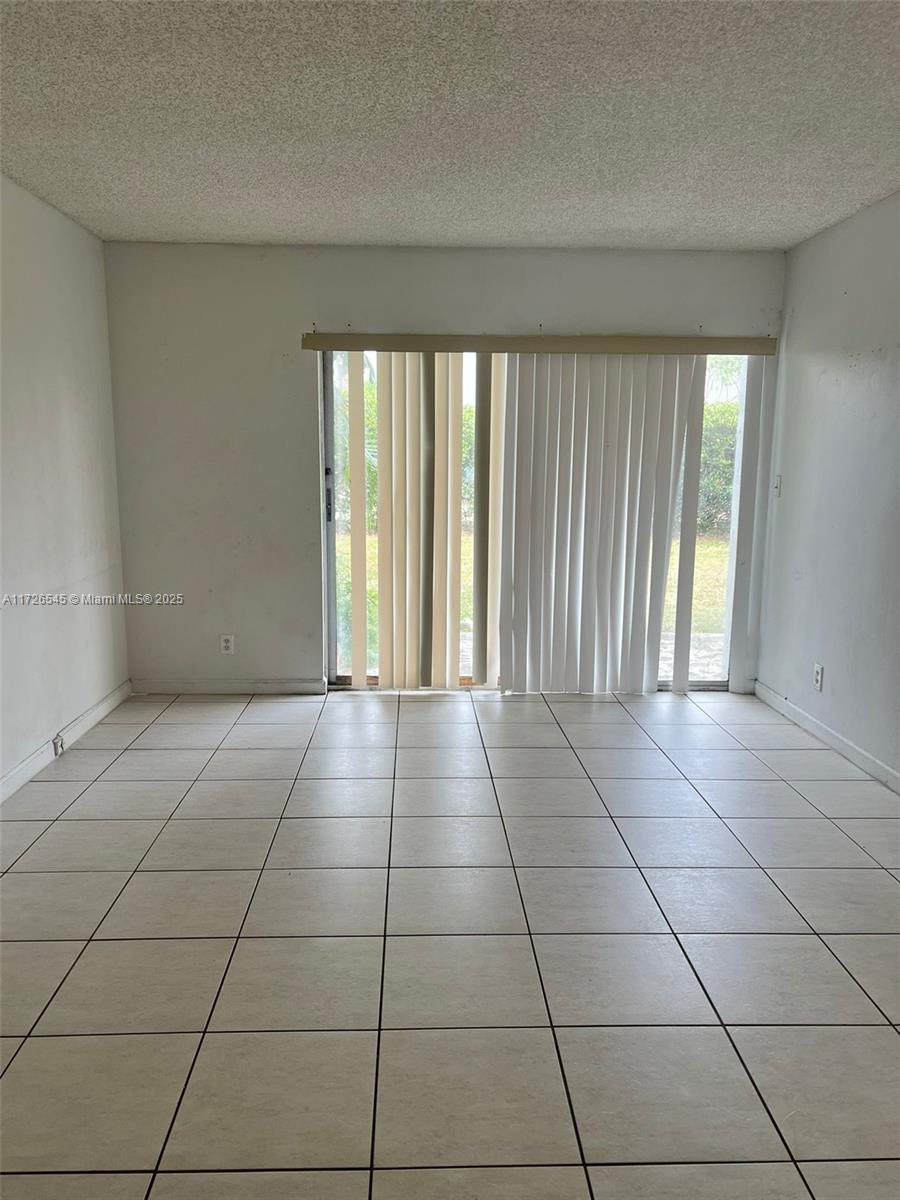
[709,124]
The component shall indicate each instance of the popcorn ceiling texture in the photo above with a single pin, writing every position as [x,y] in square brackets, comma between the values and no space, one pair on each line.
[705,125]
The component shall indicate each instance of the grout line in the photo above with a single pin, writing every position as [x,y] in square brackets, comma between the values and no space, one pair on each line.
[703,987]
[387,897]
[228,963]
[559,1058]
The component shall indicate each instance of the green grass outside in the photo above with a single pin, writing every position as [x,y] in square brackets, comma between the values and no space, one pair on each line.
[710,588]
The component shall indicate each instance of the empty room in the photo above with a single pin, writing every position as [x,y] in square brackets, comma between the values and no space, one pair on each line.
[450,623]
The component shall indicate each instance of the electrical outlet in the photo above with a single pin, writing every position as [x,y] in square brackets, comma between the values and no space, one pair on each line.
[777,485]
[226,643]
[818,673]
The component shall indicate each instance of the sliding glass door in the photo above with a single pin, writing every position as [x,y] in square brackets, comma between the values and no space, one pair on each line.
[575,522]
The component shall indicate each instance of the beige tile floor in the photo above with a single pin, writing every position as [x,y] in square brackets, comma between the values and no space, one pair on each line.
[450,947]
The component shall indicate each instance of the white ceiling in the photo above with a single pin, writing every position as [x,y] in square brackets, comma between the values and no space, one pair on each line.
[707,124]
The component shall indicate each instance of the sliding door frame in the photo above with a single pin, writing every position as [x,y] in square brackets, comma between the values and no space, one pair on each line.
[326,400]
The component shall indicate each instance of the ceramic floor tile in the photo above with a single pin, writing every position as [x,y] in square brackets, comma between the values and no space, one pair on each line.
[180,737]
[628,764]
[301,983]
[318,903]
[36,906]
[775,737]
[788,842]
[382,736]
[331,842]
[77,765]
[850,798]
[157,764]
[292,1099]
[16,837]
[724,901]
[754,798]
[444,798]
[577,712]
[874,962]
[589,900]
[489,1183]
[253,764]
[271,737]
[441,763]
[652,798]
[742,713]
[501,735]
[832,1091]
[30,973]
[201,713]
[108,737]
[879,838]
[693,737]
[471,1096]
[652,716]
[92,1103]
[173,904]
[700,1181]
[777,979]
[453,981]
[348,764]
[534,764]
[440,736]
[210,845]
[40,801]
[8,1047]
[340,798]
[128,800]
[664,1095]
[682,842]
[595,736]
[159,986]
[861,1180]
[234,798]
[454,900]
[281,714]
[549,798]
[527,712]
[133,712]
[437,712]
[811,764]
[90,846]
[720,764]
[620,979]
[566,842]
[448,842]
[844,901]
[261,1185]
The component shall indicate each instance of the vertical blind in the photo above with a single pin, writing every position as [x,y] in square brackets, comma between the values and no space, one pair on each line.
[580,462]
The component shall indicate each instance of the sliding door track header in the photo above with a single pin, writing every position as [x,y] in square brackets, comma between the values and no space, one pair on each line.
[454,343]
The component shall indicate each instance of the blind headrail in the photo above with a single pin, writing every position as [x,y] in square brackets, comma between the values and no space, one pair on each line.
[487,343]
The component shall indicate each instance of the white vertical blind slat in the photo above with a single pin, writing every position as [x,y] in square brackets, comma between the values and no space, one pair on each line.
[508,523]
[522,519]
[441,485]
[581,384]
[634,681]
[358,530]
[454,516]
[549,577]
[536,564]
[615,581]
[385,522]
[398,492]
[413,500]
[562,561]
[495,516]
[593,439]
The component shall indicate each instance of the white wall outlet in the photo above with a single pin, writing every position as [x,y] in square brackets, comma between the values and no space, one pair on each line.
[818,674]
[226,643]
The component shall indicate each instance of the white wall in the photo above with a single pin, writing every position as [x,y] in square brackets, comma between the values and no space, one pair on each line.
[832,580]
[217,420]
[60,511]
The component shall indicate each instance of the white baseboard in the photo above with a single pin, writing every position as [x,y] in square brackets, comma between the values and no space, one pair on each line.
[38,759]
[227,687]
[859,757]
